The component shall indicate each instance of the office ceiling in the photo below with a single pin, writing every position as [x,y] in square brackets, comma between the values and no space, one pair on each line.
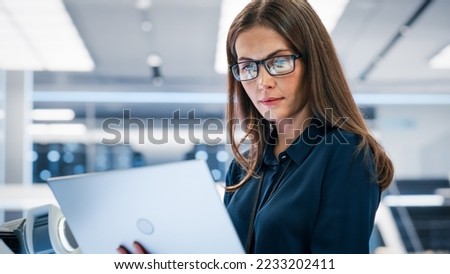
[384,45]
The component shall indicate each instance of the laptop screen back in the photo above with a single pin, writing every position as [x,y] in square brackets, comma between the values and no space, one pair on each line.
[169,208]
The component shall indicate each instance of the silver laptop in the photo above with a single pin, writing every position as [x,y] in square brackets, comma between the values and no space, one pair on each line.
[169,208]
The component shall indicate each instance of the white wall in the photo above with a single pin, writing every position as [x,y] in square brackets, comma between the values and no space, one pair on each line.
[417,138]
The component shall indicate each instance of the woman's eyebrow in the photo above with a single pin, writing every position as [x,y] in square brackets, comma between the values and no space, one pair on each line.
[272,54]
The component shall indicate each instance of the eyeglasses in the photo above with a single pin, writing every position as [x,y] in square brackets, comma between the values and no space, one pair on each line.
[275,66]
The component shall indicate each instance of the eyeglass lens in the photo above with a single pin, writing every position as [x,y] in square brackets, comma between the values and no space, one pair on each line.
[275,66]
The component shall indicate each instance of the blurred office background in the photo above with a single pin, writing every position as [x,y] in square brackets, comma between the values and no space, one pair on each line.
[84,83]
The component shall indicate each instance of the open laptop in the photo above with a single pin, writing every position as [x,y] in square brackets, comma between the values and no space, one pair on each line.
[169,208]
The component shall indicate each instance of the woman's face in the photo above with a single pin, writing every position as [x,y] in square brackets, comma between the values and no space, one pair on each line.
[277,98]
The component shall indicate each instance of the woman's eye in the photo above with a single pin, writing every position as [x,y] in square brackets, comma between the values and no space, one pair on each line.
[247,67]
[280,62]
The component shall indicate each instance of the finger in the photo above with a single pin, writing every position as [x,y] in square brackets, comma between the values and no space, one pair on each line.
[139,248]
[122,250]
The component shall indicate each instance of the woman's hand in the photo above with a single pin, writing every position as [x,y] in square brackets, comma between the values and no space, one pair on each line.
[138,248]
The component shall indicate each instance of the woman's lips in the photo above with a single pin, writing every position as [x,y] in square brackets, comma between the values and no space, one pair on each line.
[270,101]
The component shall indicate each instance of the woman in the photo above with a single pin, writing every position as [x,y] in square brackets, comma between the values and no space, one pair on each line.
[311,179]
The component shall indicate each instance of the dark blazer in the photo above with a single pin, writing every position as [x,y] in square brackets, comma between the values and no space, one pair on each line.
[325,202]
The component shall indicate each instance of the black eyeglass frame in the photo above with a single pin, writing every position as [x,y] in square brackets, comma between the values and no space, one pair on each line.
[264,62]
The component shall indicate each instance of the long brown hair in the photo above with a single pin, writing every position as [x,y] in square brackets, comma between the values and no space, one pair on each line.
[326,84]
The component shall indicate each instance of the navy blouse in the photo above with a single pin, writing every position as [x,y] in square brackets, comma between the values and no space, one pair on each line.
[319,196]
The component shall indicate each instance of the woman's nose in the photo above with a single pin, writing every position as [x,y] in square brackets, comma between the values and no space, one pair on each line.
[265,80]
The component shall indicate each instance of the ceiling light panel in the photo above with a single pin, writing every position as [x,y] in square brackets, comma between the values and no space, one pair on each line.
[441,60]
[329,11]
[228,11]
[53,114]
[40,35]
[15,51]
